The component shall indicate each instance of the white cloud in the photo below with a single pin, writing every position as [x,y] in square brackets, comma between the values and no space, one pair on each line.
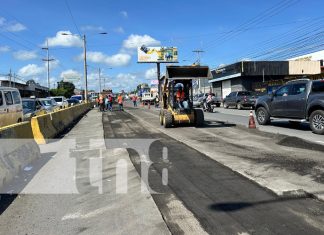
[31,70]
[16,27]
[64,40]
[134,41]
[11,26]
[116,60]
[95,57]
[70,73]
[4,48]
[151,73]
[52,64]
[92,28]
[25,55]
[124,14]
[119,30]
[123,81]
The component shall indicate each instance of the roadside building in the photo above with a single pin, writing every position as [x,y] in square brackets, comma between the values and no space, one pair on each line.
[261,76]
[26,89]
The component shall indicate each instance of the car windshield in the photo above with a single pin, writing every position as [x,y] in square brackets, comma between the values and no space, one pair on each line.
[57,99]
[47,102]
[245,93]
[72,101]
[28,104]
[76,97]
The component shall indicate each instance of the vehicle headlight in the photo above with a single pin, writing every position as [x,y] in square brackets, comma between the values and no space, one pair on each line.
[27,115]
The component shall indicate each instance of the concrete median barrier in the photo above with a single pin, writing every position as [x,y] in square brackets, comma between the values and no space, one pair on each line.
[49,126]
[17,149]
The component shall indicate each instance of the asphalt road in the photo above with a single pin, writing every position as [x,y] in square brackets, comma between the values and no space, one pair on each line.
[277,126]
[222,201]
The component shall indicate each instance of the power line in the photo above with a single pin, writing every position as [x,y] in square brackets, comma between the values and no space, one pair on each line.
[74,22]
[261,17]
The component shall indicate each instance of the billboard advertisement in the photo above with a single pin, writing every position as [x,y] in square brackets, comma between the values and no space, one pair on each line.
[157,54]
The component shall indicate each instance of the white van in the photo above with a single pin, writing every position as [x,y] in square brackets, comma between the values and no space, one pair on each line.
[61,101]
[11,110]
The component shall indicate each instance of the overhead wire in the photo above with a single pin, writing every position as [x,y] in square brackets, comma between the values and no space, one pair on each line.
[261,17]
[72,17]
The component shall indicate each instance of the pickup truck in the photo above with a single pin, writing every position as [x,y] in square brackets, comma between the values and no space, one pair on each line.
[298,100]
[240,100]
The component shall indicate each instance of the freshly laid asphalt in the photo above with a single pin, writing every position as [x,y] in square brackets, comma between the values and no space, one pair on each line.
[222,201]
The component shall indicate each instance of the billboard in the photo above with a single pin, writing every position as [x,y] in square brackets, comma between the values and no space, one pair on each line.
[157,54]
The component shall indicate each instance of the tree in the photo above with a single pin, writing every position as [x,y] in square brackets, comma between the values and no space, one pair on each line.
[63,89]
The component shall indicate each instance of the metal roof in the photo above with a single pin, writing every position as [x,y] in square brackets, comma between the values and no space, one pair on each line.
[187,72]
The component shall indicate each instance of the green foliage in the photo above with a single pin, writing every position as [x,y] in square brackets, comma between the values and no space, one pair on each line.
[63,89]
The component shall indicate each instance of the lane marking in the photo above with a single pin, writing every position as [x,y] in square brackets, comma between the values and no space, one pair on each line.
[321,142]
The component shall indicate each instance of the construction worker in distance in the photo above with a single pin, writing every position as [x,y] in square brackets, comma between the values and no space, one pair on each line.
[134,99]
[181,98]
[101,103]
[120,102]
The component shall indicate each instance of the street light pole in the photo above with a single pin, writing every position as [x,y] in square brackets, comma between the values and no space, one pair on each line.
[99,80]
[85,63]
[47,60]
[85,69]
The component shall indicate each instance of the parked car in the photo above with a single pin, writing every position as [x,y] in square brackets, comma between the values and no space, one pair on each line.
[301,100]
[11,110]
[78,97]
[32,107]
[73,102]
[240,100]
[49,104]
[61,101]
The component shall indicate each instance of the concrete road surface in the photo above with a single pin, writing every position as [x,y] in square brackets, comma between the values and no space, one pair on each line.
[74,189]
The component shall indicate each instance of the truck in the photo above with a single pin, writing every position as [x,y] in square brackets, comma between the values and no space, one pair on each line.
[146,95]
[240,100]
[300,100]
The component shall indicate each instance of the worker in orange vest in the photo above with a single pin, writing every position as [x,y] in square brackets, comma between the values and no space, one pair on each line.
[181,96]
[120,102]
[101,103]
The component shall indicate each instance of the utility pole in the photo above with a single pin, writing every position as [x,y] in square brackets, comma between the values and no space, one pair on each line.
[85,69]
[48,60]
[99,80]
[10,78]
[198,55]
[14,77]
[198,52]
[158,70]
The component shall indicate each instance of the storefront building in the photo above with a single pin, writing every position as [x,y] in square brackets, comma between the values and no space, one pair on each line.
[261,76]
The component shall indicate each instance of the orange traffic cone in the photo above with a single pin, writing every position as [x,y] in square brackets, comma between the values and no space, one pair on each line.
[251,121]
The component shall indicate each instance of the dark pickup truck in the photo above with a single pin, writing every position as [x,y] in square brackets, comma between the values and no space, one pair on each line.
[240,99]
[301,100]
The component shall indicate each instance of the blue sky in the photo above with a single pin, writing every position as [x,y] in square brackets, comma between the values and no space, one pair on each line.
[227,31]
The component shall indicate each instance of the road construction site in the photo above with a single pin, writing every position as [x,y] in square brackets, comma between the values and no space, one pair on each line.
[220,178]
